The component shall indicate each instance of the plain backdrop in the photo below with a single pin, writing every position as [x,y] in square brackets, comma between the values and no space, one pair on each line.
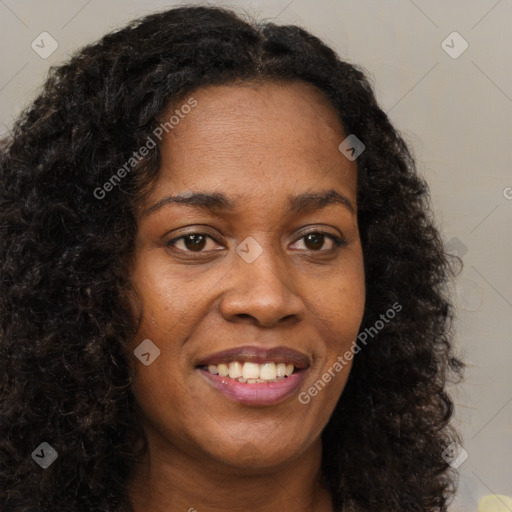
[450,95]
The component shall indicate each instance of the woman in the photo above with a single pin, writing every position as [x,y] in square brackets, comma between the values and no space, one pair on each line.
[221,286]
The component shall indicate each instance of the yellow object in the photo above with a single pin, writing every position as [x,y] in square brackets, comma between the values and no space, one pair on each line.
[495,503]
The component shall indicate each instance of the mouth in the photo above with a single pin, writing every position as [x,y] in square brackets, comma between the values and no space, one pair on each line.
[255,376]
[252,373]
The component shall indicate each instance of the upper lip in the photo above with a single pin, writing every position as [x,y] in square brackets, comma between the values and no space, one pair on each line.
[260,355]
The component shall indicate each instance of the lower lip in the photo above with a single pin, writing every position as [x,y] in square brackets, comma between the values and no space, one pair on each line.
[259,393]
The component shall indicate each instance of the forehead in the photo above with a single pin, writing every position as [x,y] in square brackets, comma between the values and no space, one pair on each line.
[259,111]
[255,137]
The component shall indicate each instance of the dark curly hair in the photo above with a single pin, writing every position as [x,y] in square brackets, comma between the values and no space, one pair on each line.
[65,316]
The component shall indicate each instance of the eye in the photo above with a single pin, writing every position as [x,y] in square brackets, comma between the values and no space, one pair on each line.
[193,242]
[314,241]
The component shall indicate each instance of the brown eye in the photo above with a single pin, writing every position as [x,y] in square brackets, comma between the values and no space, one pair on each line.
[315,241]
[193,242]
[196,242]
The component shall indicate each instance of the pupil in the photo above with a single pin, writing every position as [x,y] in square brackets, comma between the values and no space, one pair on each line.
[197,242]
[317,240]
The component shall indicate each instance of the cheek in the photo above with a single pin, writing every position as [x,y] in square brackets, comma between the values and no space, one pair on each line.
[173,292]
[159,387]
[338,312]
[166,300]
[340,302]
[171,305]
[353,289]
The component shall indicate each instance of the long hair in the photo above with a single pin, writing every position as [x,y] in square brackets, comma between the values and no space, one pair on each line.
[65,319]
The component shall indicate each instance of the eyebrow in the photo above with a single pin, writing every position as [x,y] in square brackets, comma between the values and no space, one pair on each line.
[215,202]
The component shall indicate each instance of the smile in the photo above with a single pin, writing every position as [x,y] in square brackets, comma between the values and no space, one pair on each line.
[252,373]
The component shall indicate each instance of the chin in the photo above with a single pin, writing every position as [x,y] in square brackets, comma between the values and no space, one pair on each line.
[255,456]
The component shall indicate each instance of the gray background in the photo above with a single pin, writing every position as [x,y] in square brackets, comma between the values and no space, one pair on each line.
[456,113]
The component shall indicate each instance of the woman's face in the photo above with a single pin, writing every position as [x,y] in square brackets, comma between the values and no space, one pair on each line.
[249,275]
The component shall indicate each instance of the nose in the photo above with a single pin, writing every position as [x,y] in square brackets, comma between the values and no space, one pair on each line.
[262,291]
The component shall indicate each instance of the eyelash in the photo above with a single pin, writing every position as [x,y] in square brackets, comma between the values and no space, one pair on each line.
[337,241]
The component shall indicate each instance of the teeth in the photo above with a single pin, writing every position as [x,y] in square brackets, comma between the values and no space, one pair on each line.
[281,369]
[212,368]
[268,371]
[253,373]
[235,370]
[223,370]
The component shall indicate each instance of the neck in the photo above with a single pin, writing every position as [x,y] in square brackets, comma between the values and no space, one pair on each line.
[175,480]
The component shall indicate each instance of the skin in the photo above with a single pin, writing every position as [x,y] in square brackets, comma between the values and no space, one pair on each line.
[258,144]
